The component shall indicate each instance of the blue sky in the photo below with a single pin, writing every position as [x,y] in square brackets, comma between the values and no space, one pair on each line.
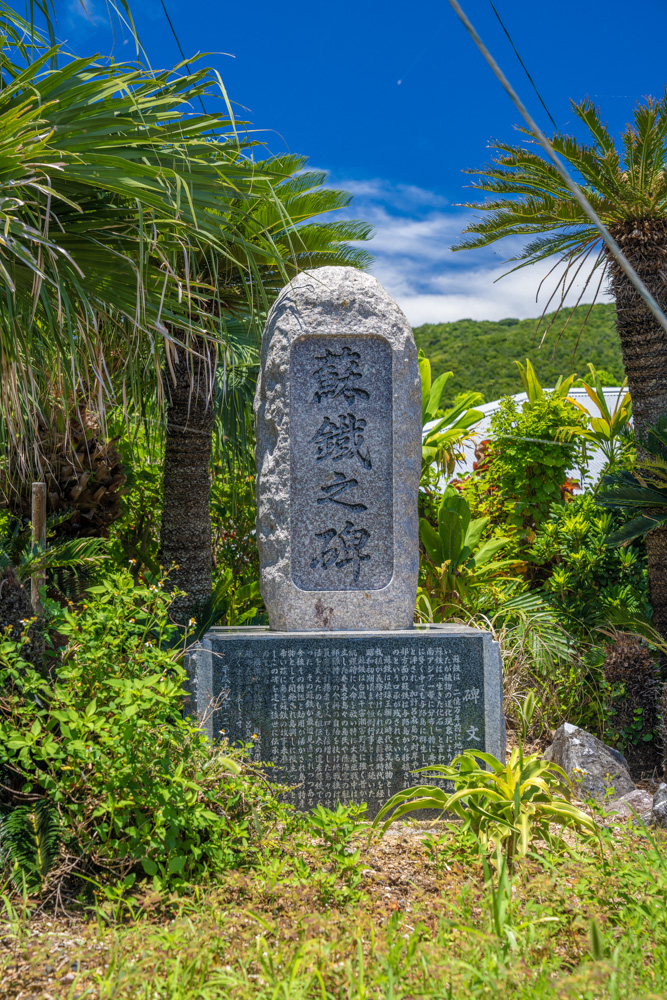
[393,100]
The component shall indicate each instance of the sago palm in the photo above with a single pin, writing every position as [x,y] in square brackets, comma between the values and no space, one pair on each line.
[627,186]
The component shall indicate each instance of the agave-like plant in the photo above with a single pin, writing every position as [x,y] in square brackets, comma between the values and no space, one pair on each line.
[507,806]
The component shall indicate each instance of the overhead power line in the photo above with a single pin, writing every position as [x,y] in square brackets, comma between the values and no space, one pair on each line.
[180,47]
[525,68]
[578,194]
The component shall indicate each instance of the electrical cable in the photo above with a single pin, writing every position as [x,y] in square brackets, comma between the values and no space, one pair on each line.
[578,194]
[180,47]
[525,68]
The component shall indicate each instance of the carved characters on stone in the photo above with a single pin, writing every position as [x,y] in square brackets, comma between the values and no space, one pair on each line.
[343,548]
[338,374]
[341,440]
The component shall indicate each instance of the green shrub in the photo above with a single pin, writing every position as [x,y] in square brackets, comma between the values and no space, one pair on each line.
[137,787]
[588,581]
[527,466]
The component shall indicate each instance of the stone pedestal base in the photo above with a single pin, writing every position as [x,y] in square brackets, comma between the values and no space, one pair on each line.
[346,716]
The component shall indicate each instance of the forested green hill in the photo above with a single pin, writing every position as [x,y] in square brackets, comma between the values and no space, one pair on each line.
[482,353]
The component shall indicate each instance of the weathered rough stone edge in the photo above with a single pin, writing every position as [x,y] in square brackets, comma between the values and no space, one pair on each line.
[494,721]
[199,668]
[289,607]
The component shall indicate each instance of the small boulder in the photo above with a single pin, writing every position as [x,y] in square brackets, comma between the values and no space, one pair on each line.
[636,805]
[659,812]
[591,765]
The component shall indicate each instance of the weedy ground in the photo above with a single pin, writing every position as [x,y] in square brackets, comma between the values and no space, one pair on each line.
[415,922]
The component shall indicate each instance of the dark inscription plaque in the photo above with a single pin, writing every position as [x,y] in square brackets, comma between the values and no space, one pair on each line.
[341,463]
[350,717]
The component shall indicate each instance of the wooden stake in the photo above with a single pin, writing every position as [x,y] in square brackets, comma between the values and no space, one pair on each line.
[38,538]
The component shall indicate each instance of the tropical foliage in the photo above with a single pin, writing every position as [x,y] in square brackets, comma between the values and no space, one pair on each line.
[444,431]
[458,560]
[640,493]
[481,353]
[626,185]
[507,806]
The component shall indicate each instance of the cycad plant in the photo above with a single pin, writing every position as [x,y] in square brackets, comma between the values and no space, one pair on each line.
[627,187]
[30,837]
[640,493]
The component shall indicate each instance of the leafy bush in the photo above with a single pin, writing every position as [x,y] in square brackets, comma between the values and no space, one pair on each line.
[459,562]
[587,580]
[527,466]
[137,788]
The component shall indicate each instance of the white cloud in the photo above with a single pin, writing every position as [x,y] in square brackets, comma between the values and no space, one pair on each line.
[414,232]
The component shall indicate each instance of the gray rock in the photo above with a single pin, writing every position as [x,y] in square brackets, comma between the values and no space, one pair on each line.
[591,765]
[635,805]
[659,810]
[338,415]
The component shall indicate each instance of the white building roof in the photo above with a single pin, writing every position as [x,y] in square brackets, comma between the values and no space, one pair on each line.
[482,431]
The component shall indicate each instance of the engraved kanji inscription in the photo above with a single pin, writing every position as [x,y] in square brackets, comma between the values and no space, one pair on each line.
[339,375]
[333,492]
[342,548]
[341,459]
[342,440]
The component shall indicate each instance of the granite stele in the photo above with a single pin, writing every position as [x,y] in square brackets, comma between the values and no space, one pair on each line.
[341,692]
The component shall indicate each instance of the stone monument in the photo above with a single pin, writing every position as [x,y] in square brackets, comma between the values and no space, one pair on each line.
[342,693]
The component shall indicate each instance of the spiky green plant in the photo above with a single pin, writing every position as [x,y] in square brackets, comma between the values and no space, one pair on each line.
[507,806]
[30,838]
[640,493]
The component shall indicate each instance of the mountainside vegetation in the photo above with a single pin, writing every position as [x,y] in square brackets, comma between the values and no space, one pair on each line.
[481,353]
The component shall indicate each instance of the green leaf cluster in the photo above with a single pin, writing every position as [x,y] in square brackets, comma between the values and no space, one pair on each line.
[527,464]
[459,561]
[137,787]
[589,581]
[444,431]
[508,806]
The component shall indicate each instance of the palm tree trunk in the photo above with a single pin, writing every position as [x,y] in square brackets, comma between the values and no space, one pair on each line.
[644,347]
[185,536]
